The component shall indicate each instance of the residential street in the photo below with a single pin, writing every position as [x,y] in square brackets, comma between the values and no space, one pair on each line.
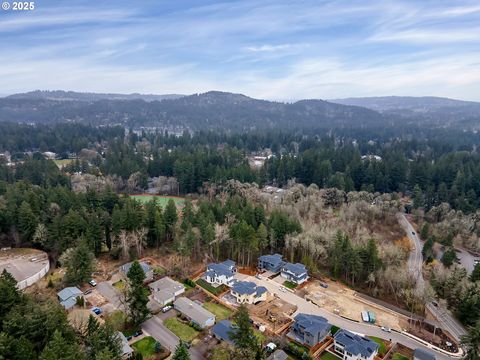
[415,263]
[361,328]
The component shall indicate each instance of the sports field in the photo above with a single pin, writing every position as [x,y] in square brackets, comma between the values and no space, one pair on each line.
[161,200]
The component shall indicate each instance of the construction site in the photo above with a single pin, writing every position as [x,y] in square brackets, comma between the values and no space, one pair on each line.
[275,314]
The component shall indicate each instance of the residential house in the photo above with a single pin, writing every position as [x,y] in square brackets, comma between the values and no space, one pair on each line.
[278,355]
[296,273]
[222,273]
[247,292]
[194,312]
[127,350]
[273,263]
[310,330]
[421,354]
[165,290]
[145,267]
[68,296]
[354,347]
[222,331]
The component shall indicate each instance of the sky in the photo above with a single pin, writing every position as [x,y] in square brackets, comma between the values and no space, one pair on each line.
[276,50]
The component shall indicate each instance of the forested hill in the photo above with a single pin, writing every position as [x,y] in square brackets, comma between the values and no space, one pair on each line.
[433,110]
[212,110]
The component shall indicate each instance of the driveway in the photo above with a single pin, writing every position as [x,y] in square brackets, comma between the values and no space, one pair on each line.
[155,328]
[360,328]
[106,289]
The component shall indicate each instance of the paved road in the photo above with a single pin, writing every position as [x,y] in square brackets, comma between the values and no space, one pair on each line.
[155,328]
[415,263]
[307,307]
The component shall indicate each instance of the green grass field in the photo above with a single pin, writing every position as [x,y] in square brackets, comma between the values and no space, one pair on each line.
[220,311]
[145,346]
[161,200]
[290,285]
[328,356]
[398,356]
[383,348]
[214,290]
[183,331]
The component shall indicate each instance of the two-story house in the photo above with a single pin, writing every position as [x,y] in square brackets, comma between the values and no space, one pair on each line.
[222,273]
[271,263]
[296,273]
[354,347]
[310,330]
[247,292]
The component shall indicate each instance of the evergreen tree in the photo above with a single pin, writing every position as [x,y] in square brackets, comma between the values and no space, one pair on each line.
[471,341]
[427,251]
[181,352]
[80,264]
[243,336]
[170,218]
[137,296]
[449,257]
[59,349]
[475,276]
[9,294]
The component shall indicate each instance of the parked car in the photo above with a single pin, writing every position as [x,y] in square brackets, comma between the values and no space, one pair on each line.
[97,310]
[129,337]
[324,285]
[413,232]
[259,277]
[386,329]
[89,291]
[166,308]
[93,282]
[138,333]
[434,303]
[282,289]
[187,344]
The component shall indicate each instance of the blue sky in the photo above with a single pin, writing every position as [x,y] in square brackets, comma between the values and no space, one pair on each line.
[280,50]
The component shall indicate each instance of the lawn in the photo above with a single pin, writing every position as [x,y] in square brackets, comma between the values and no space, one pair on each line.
[383,348]
[183,331]
[398,356]
[220,311]
[61,163]
[334,329]
[145,346]
[290,285]
[214,290]
[161,200]
[119,285]
[328,356]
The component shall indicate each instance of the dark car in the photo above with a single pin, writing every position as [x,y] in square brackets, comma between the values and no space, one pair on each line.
[97,310]
[187,344]
[138,333]
[324,285]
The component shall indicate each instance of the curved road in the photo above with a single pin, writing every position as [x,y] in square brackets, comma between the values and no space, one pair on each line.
[415,263]
[307,307]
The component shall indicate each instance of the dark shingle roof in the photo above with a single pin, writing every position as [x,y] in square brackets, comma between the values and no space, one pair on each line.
[297,269]
[275,259]
[248,288]
[356,344]
[222,330]
[219,269]
[313,324]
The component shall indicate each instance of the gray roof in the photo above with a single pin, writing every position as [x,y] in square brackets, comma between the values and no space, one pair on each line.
[126,348]
[193,310]
[229,263]
[69,292]
[356,344]
[219,269]
[126,267]
[422,354]
[166,284]
[278,355]
[275,259]
[222,330]
[69,303]
[248,288]
[297,269]
[313,324]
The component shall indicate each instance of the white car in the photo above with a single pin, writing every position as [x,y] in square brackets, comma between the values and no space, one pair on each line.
[93,282]
[259,277]
[386,329]
[282,289]
[166,308]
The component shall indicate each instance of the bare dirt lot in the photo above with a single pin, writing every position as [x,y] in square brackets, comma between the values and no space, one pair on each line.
[273,313]
[341,300]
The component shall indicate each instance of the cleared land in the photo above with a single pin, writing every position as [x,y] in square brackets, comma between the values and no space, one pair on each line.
[183,331]
[161,200]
